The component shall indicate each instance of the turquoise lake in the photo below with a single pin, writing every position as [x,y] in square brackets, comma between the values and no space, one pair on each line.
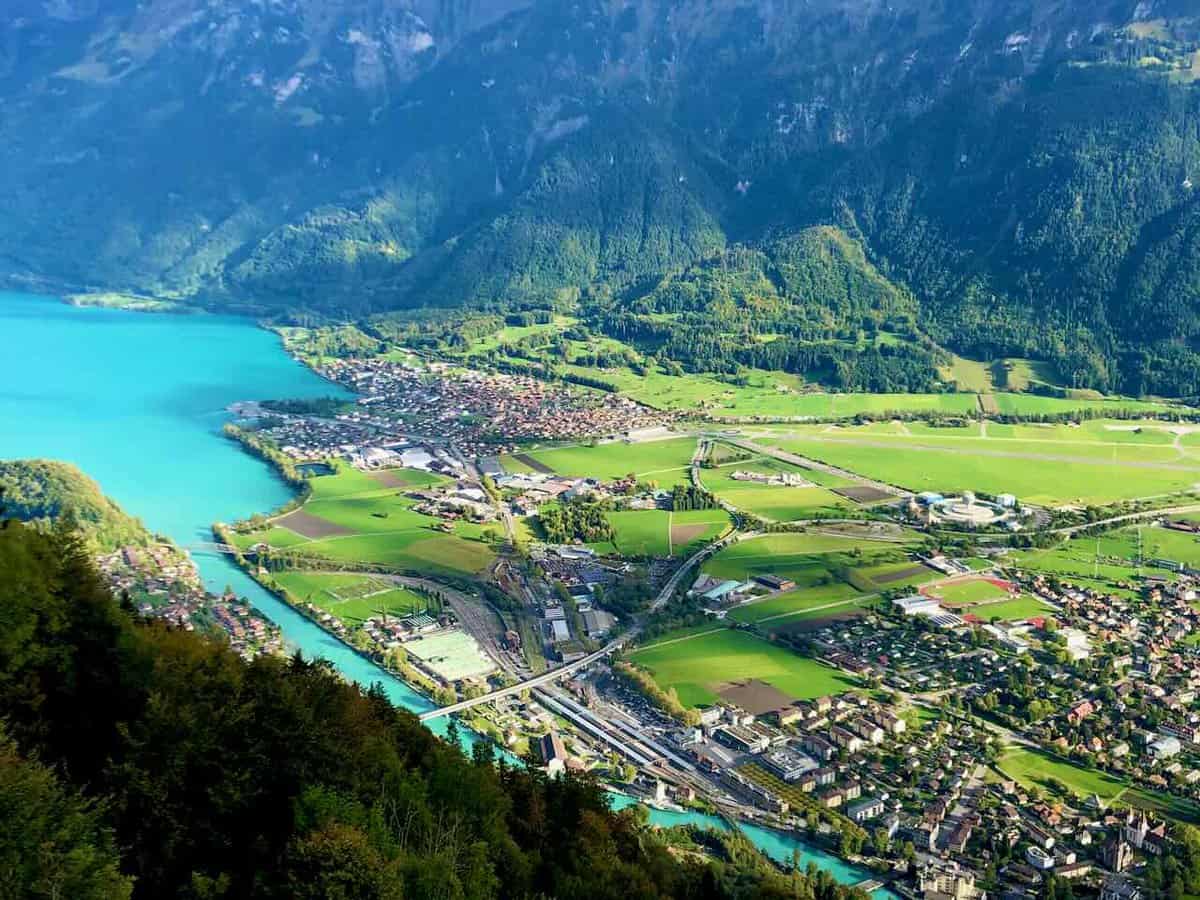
[137,401]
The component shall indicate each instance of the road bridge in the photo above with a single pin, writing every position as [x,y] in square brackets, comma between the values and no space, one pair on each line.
[664,595]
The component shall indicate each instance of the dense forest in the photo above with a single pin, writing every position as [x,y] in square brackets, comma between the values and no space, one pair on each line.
[41,491]
[139,761]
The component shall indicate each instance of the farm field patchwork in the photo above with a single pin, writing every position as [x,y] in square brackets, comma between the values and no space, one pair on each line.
[351,517]
[656,532]
[697,668]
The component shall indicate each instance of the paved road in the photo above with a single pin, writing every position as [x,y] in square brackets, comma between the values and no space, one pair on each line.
[1129,517]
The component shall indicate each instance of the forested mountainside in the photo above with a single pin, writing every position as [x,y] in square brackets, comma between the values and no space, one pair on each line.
[141,761]
[1022,171]
[41,492]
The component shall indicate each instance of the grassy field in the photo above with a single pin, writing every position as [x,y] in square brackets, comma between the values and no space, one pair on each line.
[697,667]
[797,555]
[775,503]
[801,600]
[666,462]
[656,532]
[1113,556]
[1016,610]
[1059,469]
[351,598]
[354,517]
[1033,769]
[894,575]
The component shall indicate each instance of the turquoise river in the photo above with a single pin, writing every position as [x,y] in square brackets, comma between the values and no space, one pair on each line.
[137,401]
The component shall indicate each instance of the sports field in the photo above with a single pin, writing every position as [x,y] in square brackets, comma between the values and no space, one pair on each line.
[1054,467]
[351,598]
[1016,610]
[452,655]
[353,516]
[967,592]
[696,668]
[665,462]
[776,503]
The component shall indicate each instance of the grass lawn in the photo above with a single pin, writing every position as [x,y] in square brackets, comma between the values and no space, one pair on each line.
[351,598]
[696,668]
[666,462]
[797,601]
[643,532]
[276,537]
[1019,609]
[1033,769]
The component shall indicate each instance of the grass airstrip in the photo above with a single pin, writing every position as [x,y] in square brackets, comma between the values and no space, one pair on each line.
[697,668]
[356,517]
[1097,462]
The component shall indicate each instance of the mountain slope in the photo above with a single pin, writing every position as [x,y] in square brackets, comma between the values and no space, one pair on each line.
[1010,161]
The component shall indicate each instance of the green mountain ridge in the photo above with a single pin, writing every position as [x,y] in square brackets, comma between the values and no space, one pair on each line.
[1023,170]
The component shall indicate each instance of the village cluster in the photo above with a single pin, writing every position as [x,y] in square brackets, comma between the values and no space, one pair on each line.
[402,405]
[162,582]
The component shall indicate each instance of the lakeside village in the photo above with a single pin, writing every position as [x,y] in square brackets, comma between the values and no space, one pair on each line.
[162,582]
[976,728]
[402,404]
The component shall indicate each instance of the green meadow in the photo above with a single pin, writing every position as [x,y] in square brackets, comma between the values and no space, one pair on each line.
[696,668]
[656,532]
[807,558]
[792,603]
[354,517]
[666,462]
[777,503]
